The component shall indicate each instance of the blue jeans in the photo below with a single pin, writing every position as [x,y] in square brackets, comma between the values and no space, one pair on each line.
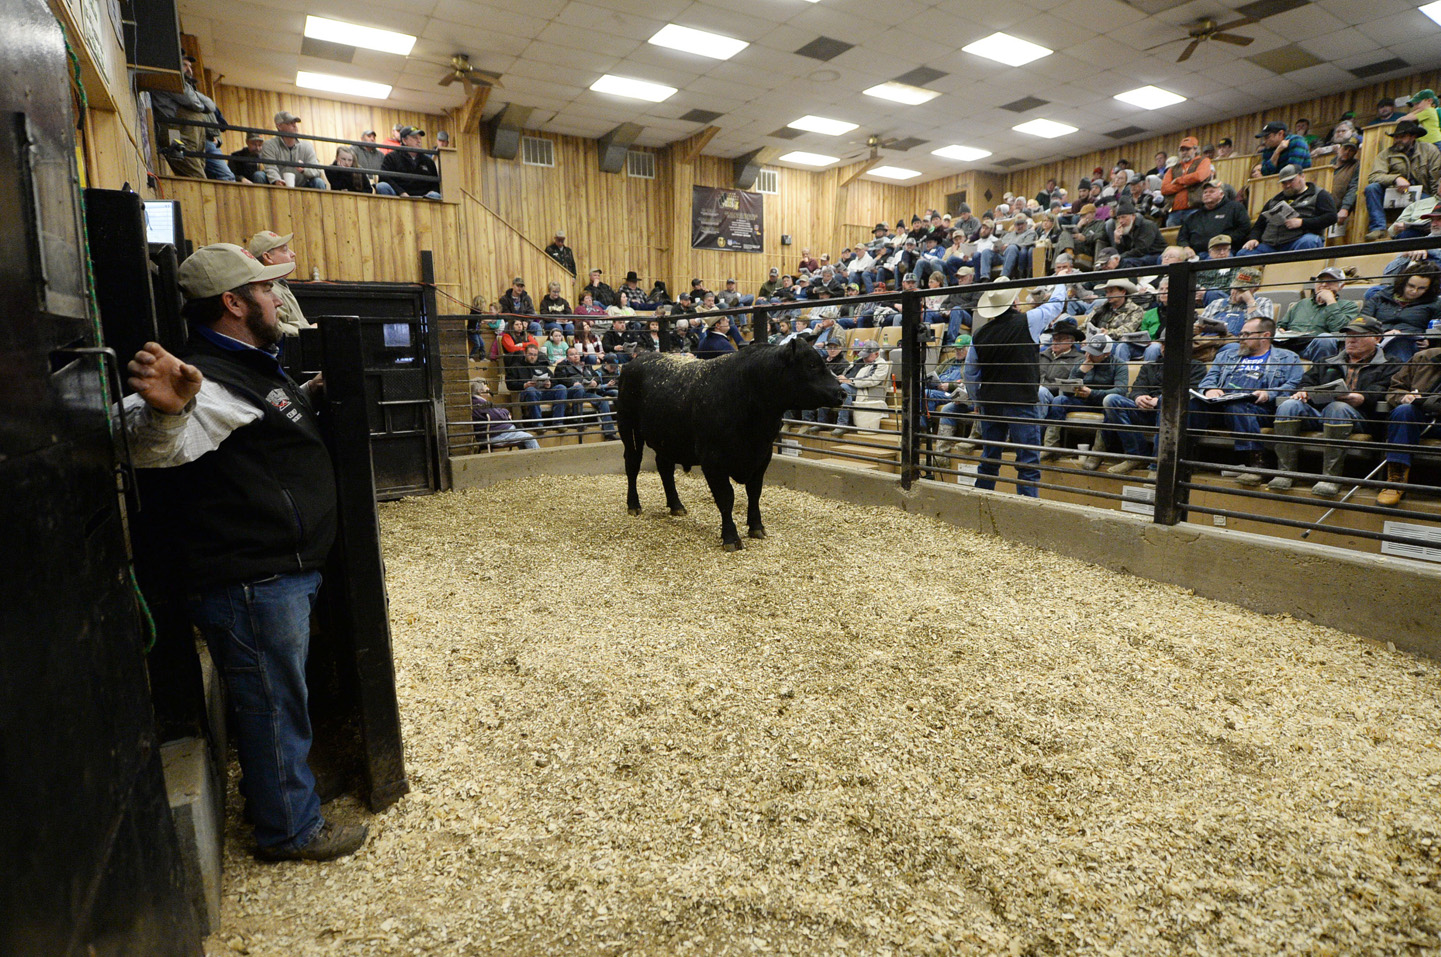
[1178,216]
[1304,241]
[532,398]
[259,636]
[566,328]
[216,164]
[385,189]
[844,416]
[1022,433]
[1131,262]
[1375,194]
[578,396]
[985,259]
[1406,427]
[1016,262]
[1401,348]
[1243,418]
[1335,413]
[960,318]
[1120,410]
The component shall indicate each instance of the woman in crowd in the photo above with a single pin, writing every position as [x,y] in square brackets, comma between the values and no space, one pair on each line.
[514,340]
[588,307]
[1406,307]
[782,333]
[345,182]
[588,342]
[552,307]
[622,306]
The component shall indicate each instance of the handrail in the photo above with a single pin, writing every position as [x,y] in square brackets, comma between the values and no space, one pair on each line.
[534,245]
[231,127]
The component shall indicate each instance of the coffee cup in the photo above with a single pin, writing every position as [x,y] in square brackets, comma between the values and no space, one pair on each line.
[289,177]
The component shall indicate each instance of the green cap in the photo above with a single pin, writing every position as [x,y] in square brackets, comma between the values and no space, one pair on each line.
[1424,95]
[962,341]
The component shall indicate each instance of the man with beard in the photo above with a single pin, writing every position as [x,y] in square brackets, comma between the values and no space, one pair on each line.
[246,506]
[1295,218]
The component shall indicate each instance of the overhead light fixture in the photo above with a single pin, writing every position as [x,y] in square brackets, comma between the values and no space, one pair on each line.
[963,153]
[1432,10]
[819,124]
[342,84]
[633,89]
[700,42]
[1050,129]
[907,94]
[894,172]
[1004,48]
[1153,97]
[354,35]
[809,159]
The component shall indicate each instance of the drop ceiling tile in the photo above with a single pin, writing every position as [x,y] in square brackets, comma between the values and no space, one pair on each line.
[1388,31]
[1106,13]
[1348,42]
[612,22]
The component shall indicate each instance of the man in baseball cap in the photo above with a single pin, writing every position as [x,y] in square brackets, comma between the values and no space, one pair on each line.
[1278,149]
[246,509]
[1181,184]
[273,249]
[1295,218]
[288,160]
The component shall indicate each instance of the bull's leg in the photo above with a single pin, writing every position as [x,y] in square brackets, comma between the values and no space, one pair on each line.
[725,500]
[666,468]
[755,528]
[633,453]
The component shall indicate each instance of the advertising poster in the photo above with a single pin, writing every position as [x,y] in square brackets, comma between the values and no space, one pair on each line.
[727,219]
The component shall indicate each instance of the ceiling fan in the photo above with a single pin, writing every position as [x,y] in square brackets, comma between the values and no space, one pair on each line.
[1208,29]
[875,144]
[471,77]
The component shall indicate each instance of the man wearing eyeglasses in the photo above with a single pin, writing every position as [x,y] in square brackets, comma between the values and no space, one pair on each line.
[1243,387]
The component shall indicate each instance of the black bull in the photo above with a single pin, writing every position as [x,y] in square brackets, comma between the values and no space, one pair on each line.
[721,414]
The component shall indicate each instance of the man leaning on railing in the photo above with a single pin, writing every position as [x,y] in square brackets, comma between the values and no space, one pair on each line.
[408,161]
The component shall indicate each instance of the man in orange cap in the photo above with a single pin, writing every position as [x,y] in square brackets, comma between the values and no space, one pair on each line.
[1182,183]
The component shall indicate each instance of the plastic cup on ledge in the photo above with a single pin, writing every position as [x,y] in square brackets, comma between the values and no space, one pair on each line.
[289,177]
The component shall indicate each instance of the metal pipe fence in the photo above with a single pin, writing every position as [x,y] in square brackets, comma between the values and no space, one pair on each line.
[1186,458]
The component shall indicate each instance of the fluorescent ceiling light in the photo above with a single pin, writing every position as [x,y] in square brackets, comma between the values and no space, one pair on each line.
[1432,10]
[963,153]
[1050,129]
[894,172]
[1004,48]
[352,35]
[634,89]
[342,84]
[809,159]
[907,94]
[1153,97]
[819,124]
[687,40]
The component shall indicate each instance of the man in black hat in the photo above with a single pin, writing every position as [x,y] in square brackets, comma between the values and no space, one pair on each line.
[1407,162]
[1279,150]
[409,161]
[564,255]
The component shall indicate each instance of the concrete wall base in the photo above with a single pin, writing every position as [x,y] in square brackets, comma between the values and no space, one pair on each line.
[1372,596]
[198,812]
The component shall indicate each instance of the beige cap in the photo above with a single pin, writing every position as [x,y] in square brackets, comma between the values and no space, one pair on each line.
[266,240]
[221,267]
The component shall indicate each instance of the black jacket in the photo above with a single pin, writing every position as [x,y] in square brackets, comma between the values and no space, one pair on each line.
[517,306]
[1314,206]
[519,372]
[1228,218]
[554,307]
[261,504]
[569,373]
[1148,378]
[404,161]
[1371,379]
[1143,239]
[601,293]
[562,255]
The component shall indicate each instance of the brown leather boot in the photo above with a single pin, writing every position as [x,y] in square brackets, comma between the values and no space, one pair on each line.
[1398,473]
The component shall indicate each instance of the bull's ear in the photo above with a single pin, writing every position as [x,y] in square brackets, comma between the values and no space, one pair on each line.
[791,351]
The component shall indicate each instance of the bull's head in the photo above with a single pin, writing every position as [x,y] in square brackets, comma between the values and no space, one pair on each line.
[808,384]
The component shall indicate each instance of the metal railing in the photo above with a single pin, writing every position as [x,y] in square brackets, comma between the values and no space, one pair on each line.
[1186,466]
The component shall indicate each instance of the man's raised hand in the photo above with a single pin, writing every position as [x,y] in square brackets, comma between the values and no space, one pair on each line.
[163,381]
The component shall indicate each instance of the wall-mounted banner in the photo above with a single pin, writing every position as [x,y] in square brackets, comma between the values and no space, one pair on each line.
[727,219]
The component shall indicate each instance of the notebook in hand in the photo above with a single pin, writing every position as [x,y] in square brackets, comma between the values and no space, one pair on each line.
[1225,397]
[1139,337]
[1327,392]
[1069,386]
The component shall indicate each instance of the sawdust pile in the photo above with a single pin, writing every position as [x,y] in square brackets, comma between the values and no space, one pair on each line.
[868,734]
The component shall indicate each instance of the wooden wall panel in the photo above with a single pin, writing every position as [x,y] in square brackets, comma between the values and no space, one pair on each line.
[1323,112]
[318,116]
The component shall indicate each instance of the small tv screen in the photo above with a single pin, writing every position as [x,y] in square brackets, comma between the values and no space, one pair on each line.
[162,223]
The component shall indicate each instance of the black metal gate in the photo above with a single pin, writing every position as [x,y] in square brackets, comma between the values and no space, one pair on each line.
[402,376]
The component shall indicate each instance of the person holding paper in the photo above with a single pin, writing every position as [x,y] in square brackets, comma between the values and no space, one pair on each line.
[1341,394]
[1242,388]
[1295,218]
[1407,162]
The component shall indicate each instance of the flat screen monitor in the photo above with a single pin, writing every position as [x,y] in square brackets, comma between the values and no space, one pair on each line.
[162,223]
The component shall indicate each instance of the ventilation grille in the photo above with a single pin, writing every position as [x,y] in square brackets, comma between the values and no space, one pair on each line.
[1008,162]
[769,181]
[1376,69]
[537,151]
[639,165]
[1125,132]
[1024,103]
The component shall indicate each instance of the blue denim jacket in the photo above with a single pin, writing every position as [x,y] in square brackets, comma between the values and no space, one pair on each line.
[1280,375]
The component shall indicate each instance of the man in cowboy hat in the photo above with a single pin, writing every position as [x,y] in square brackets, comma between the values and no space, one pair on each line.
[1407,162]
[1006,376]
[1119,314]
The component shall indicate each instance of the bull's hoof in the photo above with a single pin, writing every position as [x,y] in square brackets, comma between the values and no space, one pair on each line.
[679,510]
[734,546]
[633,510]
[757,532]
